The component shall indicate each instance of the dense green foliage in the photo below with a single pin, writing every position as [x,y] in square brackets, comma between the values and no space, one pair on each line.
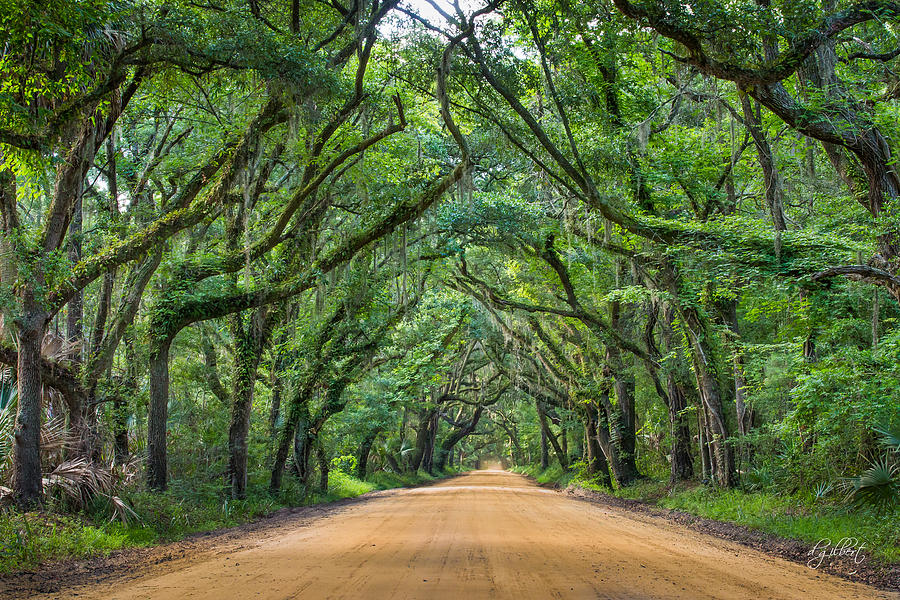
[254,254]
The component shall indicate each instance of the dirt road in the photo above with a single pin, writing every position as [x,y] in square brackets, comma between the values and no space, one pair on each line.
[488,534]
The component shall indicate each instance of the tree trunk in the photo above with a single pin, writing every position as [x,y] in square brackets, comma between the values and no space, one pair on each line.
[721,458]
[281,455]
[596,461]
[722,454]
[27,483]
[239,428]
[431,439]
[303,447]
[323,466]
[120,405]
[554,443]
[298,409]
[275,408]
[545,452]
[606,436]
[362,457]
[703,444]
[774,189]
[623,418]
[157,460]
[78,421]
[455,437]
[423,435]
[681,465]
[249,340]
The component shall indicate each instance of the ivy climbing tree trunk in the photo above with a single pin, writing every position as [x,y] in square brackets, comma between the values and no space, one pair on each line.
[250,338]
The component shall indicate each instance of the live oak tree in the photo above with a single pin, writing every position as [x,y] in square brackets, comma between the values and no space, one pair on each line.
[259,242]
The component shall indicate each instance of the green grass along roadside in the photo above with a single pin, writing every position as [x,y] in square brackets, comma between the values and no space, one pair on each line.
[29,539]
[796,517]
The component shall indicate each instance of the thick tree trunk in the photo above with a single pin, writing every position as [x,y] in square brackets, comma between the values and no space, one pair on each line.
[742,410]
[423,441]
[27,483]
[157,421]
[703,358]
[722,454]
[322,457]
[78,425]
[606,436]
[362,457]
[282,451]
[430,441]
[249,340]
[120,405]
[545,451]
[304,440]
[238,431]
[596,461]
[554,443]
[298,410]
[681,465]
[446,448]
[623,418]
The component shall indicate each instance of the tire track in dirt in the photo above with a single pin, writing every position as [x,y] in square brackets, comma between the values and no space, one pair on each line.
[486,534]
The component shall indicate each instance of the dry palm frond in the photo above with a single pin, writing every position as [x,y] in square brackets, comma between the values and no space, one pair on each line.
[80,481]
[56,440]
[58,349]
[121,511]
[126,473]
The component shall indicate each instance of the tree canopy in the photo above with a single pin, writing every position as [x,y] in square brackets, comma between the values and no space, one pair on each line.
[252,242]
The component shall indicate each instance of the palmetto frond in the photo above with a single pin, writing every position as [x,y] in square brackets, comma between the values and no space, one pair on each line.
[890,437]
[878,486]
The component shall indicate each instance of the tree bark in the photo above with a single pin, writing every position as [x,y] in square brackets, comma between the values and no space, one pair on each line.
[362,457]
[596,461]
[681,465]
[446,448]
[303,447]
[774,189]
[554,443]
[605,440]
[545,451]
[27,483]
[323,466]
[157,421]
[249,341]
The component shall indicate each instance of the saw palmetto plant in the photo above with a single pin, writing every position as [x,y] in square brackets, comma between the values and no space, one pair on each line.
[879,485]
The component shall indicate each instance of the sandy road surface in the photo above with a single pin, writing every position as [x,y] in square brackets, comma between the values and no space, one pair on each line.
[488,534]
